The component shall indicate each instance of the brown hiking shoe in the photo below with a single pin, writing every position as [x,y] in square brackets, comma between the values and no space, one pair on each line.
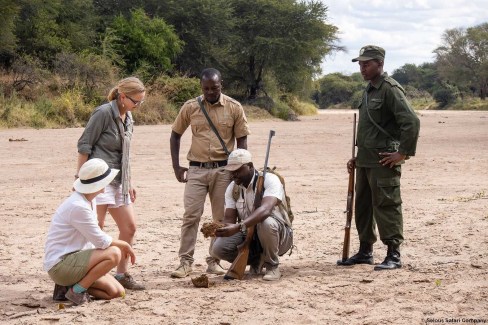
[128,282]
[77,298]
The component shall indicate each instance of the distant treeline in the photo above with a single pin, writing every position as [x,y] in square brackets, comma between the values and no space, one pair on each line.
[58,58]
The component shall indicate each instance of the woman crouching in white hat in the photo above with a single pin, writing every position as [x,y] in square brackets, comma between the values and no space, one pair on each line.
[78,253]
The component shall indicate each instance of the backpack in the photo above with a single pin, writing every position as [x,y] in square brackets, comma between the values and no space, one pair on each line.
[235,192]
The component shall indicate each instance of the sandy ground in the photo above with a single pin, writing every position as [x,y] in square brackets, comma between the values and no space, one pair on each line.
[445,254]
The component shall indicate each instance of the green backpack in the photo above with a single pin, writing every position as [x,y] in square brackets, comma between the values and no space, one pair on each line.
[235,192]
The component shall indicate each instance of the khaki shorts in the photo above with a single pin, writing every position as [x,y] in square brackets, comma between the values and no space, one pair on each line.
[72,268]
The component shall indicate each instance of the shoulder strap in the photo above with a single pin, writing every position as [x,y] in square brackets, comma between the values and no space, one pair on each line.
[212,126]
[369,115]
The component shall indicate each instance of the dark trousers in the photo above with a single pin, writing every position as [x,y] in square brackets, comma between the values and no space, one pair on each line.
[378,201]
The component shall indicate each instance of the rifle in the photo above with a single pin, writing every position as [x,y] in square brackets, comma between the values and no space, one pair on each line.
[236,270]
[350,202]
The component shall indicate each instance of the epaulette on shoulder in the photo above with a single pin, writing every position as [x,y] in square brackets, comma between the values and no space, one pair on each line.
[394,83]
[232,100]
[190,102]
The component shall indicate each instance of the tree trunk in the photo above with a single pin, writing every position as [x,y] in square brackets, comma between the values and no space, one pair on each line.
[255,78]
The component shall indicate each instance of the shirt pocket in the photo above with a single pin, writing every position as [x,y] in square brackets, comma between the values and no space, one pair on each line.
[374,108]
[226,125]
[198,124]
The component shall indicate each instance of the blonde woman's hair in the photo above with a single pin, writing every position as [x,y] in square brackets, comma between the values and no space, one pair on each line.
[130,85]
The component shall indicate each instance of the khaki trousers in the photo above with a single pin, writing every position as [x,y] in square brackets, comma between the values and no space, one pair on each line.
[201,181]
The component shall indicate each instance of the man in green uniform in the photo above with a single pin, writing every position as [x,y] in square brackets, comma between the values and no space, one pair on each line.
[387,135]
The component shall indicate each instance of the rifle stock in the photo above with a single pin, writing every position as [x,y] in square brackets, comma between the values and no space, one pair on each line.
[350,202]
[238,267]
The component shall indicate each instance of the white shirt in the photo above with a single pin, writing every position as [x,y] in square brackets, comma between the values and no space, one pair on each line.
[74,227]
[245,203]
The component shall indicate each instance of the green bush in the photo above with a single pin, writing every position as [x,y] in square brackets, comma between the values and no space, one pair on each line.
[299,107]
[176,90]
[156,110]
[355,99]
[92,74]
[445,95]
[282,110]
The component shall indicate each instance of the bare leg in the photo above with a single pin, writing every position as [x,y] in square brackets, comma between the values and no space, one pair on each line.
[100,263]
[125,220]
[107,287]
[101,213]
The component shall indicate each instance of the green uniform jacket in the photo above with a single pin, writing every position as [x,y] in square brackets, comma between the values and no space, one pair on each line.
[389,108]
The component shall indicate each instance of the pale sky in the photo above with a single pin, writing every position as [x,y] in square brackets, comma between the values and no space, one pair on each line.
[409,30]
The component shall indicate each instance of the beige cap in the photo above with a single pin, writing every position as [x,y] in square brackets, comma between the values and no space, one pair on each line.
[237,158]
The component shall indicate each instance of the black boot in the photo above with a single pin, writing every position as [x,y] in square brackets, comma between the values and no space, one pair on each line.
[364,256]
[392,260]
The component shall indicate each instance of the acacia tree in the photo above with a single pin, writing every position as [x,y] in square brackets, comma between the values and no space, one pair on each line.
[204,26]
[283,38]
[146,45]
[463,58]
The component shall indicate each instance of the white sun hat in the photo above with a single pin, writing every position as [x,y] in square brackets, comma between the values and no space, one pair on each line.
[93,176]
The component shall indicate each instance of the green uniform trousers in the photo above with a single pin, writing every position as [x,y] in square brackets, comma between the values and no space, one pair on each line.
[378,201]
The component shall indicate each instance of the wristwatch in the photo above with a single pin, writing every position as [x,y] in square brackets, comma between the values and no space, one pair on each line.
[243,227]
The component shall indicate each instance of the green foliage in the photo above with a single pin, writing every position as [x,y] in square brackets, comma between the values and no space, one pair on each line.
[445,95]
[146,45]
[281,110]
[336,88]
[267,32]
[355,99]
[8,39]
[423,77]
[156,110]
[45,28]
[90,73]
[177,89]
[58,58]
[463,59]
[299,107]
[70,108]
[26,72]
[206,28]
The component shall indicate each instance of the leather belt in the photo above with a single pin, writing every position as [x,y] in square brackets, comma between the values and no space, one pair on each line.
[209,164]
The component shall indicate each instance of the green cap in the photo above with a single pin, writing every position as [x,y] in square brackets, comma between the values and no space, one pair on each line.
[370,52]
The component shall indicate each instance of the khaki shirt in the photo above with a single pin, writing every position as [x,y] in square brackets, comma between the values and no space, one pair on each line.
[228,117]
[389,108]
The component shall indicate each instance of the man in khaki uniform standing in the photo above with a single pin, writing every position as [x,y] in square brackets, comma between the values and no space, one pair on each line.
[388,131]
[207,158]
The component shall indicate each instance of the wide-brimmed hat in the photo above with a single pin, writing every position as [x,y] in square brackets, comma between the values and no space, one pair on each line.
[237,158]
[370,52]
[93,176]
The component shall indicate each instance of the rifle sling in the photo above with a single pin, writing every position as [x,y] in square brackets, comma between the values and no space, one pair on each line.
[212,126]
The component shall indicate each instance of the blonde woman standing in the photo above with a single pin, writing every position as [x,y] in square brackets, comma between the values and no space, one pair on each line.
[107,136]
